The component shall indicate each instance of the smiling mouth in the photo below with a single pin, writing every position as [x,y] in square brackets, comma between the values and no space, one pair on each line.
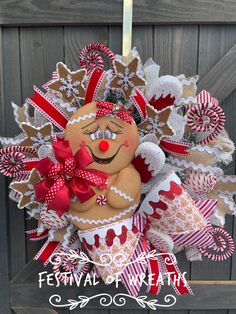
[104,161]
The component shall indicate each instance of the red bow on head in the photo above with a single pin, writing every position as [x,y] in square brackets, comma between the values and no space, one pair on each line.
[67,178]
[114,109]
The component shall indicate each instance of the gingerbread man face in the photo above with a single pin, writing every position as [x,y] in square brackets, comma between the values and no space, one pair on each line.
[110,141]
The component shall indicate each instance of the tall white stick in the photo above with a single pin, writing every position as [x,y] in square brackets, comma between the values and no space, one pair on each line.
[127,26]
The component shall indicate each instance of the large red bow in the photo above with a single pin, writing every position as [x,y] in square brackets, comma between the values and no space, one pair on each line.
[118,110]
[67,178]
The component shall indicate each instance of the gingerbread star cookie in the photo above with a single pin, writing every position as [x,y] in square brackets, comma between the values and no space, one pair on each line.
[36,137]
[26,189]
[126,77]
[69,84]
[157,123]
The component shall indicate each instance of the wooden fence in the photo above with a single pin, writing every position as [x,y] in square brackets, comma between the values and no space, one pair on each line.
[183,37]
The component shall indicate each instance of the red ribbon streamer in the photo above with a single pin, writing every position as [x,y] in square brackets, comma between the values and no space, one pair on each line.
[67,178]
[95,80]
[140,102]
[174,148]
[47,250]
[35,236]
[182,287]
[52,112]
[30,163]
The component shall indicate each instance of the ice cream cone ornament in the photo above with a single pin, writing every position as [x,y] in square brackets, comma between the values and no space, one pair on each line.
[122,167]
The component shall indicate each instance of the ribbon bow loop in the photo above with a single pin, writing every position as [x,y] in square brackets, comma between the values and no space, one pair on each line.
[117,110]
[67,178]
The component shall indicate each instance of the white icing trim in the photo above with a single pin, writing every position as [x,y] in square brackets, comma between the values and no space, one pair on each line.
[153,195]
[121,194]
[186,100]
[51,233]
[67,235]
[59,102]
[228,202]
[16,115]
[152,155]
[227,179]
[226,192]
[85,117]
[102,231]
[187,165]
[191,80]
[13,140]
[207,149]
[102,221]
[41,227]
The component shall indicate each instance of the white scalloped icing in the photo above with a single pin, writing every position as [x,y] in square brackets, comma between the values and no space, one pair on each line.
[67,235]
[13,140]
[186,100]
[227,179]
[189,81]
[82,118]
[51,234]
[187,165]
[168,85]
[153,195]
[228,202]
[208,149]
[121,194]
[226,192]
[152,155]
[102,221]
[102,231]
[16,115]
[65,105]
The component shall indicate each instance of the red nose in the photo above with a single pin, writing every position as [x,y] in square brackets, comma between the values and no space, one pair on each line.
[103,145]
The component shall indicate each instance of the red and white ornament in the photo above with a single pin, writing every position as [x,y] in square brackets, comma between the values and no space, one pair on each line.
[206,118]
[64,262]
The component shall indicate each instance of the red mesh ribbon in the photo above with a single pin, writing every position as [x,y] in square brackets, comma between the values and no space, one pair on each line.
[67,178]
[114,109]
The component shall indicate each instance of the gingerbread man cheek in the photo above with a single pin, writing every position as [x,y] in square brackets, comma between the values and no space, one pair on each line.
[82,143]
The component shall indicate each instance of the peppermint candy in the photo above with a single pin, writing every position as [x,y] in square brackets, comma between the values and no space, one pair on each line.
[51,220]
[12,159]
[64,262]
[90,59]
[224,246]
[206,118]
[101,200]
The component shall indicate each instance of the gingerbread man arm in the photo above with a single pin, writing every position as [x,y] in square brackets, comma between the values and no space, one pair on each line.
[125,190]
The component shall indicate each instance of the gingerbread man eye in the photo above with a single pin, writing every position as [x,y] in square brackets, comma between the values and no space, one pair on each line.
[109,134]
[97,134]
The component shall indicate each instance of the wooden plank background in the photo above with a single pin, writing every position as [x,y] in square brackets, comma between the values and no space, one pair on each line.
[28,55]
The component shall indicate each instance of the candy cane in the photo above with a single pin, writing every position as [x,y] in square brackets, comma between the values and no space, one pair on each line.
[12,159]
[224,246]
[90,59]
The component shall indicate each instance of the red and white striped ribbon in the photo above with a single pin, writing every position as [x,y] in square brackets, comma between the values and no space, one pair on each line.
[48,109]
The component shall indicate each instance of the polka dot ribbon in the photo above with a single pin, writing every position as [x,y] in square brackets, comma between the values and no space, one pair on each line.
[67,178]
[117,110]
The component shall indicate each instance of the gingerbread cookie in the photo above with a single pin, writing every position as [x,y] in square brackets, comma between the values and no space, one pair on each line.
[111,137]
